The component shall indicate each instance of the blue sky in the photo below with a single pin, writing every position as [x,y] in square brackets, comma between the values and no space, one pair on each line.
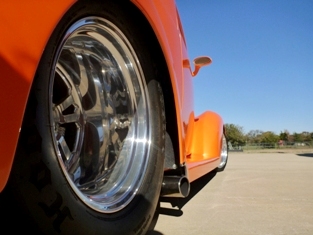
[261,77]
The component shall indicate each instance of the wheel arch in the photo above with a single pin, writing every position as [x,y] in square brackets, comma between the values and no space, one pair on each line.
[163,57]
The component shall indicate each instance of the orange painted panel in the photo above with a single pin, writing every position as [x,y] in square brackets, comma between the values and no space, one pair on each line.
[25,29]
[167,27]
[206,137]
[205,148]
[198,169]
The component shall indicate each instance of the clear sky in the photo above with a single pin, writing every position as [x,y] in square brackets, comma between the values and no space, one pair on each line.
[261,77]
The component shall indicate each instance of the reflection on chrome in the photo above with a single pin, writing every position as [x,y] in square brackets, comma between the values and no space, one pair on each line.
[224,152]
[100,114]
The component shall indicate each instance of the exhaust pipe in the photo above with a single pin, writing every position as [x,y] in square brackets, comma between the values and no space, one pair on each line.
[175,186]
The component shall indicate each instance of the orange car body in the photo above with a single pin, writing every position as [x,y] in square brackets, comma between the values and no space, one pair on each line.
[25,29]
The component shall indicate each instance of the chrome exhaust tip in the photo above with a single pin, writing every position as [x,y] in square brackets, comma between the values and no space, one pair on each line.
[175,186]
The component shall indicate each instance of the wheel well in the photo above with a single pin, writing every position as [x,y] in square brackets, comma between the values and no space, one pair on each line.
[161,69]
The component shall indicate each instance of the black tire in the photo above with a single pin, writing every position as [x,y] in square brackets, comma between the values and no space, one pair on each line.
[224,155]
[81,169]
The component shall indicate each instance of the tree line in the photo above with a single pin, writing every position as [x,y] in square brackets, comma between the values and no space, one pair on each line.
[237,137]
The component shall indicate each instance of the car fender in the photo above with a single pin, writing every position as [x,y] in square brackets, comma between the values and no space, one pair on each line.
[206,144]
[23,39]
[168,30]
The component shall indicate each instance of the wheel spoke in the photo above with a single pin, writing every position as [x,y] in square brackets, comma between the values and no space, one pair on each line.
[67,118]
[65,151]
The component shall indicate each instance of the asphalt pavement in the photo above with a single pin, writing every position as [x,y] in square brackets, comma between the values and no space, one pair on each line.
[258,193]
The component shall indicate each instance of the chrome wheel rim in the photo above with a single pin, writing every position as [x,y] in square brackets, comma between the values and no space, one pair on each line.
[100,115]
[224,152]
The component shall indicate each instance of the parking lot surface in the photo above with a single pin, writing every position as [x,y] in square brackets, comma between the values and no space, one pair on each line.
[258,193]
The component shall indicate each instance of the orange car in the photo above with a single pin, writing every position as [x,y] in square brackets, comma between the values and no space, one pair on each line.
[97,113]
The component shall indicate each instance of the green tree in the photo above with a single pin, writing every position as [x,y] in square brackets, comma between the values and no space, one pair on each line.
[297,137]
[253,136]
[306,136]
[284,135]
[235,134]
[269,139]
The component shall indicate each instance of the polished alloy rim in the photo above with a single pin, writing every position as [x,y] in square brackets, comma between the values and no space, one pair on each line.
[100,115]
[224,152]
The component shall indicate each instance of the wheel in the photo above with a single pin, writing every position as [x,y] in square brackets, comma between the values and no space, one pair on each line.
[94,161]
[224,155]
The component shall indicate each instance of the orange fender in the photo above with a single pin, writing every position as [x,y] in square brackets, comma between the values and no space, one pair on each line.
[25,29]
[205,147]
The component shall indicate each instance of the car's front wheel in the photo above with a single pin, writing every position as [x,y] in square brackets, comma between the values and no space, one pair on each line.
[94,159]
[224,155]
